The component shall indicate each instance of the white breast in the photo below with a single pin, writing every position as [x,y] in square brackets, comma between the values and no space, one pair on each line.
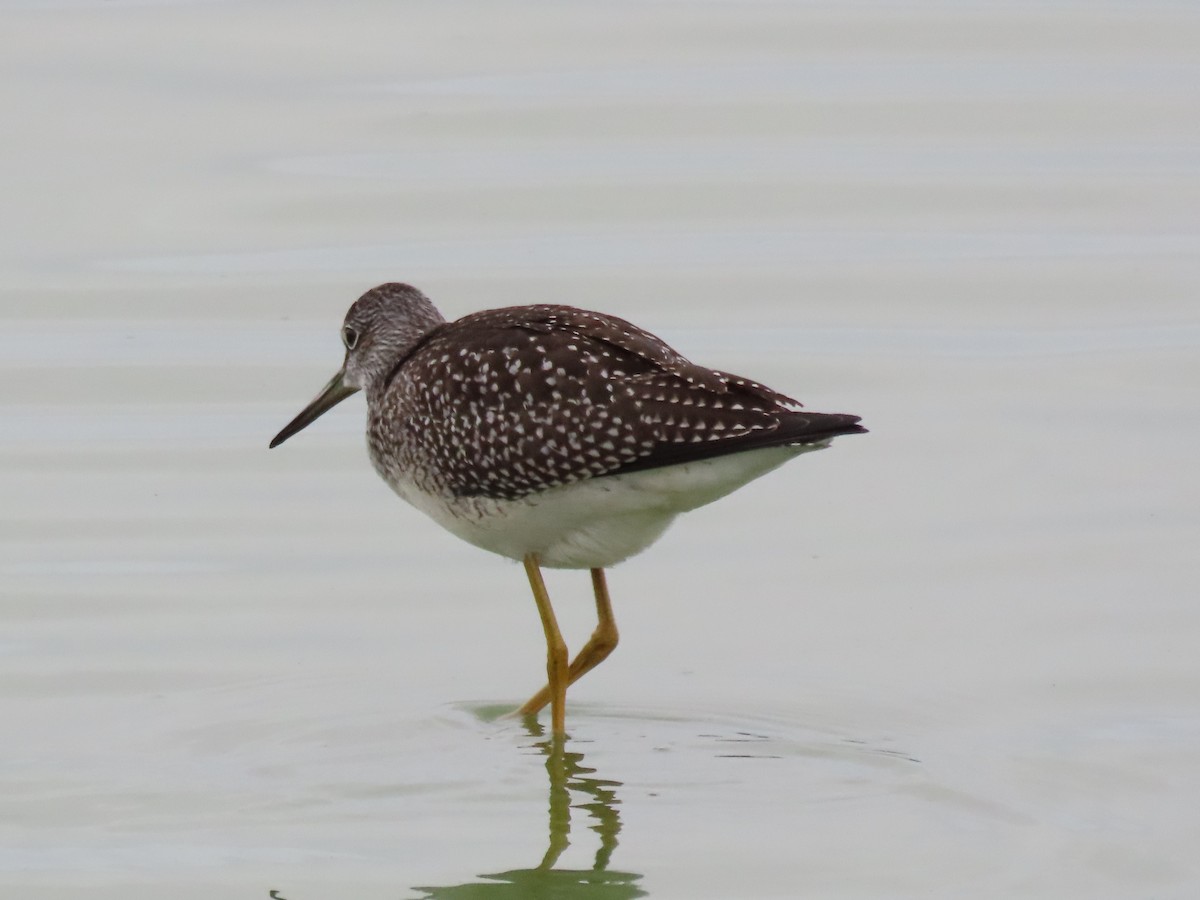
[597,522]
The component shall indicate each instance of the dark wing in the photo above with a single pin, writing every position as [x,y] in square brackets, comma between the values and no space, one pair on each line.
[518,400]
[694,424]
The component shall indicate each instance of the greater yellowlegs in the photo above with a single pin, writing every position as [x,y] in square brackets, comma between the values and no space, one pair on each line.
[554,436]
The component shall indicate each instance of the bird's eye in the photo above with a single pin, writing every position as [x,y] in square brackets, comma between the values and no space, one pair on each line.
[349,337]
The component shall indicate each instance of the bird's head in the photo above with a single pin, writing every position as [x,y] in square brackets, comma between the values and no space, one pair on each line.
[380,328]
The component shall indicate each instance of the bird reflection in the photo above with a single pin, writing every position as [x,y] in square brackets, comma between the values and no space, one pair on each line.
[567,776]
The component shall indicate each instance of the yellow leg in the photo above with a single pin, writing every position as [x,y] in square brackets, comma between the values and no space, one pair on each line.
[602,642]
[556,649]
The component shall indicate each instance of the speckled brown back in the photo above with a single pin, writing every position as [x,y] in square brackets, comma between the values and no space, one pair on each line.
[507,402]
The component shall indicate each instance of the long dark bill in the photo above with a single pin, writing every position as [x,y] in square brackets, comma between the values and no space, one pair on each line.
[331,395]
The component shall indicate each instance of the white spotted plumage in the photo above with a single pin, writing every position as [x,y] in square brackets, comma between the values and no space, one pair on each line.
[551,430]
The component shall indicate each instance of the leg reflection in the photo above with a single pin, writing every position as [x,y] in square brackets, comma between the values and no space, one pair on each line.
[568,778]
[567,774]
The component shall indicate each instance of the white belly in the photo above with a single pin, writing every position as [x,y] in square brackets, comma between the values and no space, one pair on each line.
[597,522]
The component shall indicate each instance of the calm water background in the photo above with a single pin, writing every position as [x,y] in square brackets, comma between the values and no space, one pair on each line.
[954,658]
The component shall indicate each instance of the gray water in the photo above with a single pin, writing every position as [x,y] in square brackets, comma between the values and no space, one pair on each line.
[954,658]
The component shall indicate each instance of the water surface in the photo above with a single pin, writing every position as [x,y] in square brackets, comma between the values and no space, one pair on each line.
[956,657]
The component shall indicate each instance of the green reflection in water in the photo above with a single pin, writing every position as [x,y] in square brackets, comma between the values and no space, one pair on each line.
[567,775]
